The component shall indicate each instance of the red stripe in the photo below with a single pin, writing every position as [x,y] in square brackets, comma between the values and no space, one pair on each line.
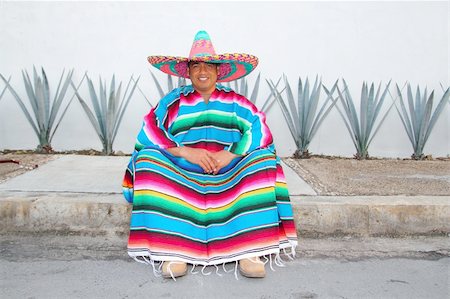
[175,244]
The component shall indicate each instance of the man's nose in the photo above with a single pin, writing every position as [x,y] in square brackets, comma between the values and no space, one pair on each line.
[203,67]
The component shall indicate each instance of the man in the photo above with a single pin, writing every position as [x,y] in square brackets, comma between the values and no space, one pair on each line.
[206,185]
[204,77]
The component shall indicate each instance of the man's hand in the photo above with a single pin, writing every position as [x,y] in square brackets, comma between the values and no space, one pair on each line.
[223,158]
[201,157]
[210,162]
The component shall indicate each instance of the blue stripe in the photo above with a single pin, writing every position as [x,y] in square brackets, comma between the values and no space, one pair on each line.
[284,210]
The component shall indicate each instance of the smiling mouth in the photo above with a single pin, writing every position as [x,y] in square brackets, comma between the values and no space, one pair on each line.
[203,78]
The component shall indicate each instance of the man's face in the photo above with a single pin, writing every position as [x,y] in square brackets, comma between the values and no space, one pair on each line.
[203,76]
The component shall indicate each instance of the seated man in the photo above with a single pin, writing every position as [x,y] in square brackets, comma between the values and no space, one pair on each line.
[206,185]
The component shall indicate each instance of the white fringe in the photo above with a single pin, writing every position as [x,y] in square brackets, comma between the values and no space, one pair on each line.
[225,269]
[217,270]
[170,270]
[235,270]
[193,267]
[203,269]
[276,259]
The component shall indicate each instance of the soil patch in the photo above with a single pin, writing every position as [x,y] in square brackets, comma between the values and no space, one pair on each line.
[340,176]
[14,164]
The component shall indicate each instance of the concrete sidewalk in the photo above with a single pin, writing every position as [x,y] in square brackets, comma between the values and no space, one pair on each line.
[82,195]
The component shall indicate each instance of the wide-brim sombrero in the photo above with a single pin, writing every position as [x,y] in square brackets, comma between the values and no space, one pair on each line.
[232,66]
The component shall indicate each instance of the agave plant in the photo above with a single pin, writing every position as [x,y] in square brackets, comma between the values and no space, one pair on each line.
[4,89]
[241,87]
[361,128]
[301,116]
[109,109]
[43,117]
[419,119]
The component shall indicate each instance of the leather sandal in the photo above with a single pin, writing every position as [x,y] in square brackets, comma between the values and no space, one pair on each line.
[172,269]
[252,268]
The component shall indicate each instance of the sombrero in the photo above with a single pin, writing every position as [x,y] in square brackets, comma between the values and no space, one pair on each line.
[232,66]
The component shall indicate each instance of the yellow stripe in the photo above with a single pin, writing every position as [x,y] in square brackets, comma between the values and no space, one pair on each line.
[281,184]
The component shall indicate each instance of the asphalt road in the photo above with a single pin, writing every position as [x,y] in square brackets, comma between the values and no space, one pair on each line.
[34,268]
[302,278]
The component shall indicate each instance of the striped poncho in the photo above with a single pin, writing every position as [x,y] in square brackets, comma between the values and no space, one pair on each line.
[181,213]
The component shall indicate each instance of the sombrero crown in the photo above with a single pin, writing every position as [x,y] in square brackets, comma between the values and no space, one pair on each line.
[232,66]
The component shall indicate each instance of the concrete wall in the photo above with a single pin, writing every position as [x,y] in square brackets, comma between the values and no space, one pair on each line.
[358,41]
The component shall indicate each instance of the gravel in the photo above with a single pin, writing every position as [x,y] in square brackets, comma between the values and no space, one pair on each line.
[385,177]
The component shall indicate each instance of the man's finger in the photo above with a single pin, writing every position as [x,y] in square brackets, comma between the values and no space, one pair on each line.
[205,167]
[211,163]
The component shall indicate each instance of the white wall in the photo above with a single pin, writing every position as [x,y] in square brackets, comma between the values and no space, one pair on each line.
[358,41]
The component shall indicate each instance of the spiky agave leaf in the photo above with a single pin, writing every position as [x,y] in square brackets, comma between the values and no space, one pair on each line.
[22,106]
[57,101]
[43,96]
[169,82]
[4,88]
[384,117]
[59,97]
[284,110]
[44,109]
[420,119]
[170,86]
[292,108]
[31,97]
[301,117]
[324,110]
[346,122]
[99,118]
[361,128]
[254,94]
[111,113]
[158,86]
[349,108]
[181,81]
[109,108]
[269,102]
[123,106]
[91,116]
[241,87]
[308,104]
[437,112]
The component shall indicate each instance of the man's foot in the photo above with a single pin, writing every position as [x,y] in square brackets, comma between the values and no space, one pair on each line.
[252,268]
[171,269]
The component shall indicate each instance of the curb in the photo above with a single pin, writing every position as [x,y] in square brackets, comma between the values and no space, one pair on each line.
[316,216]
[372,216]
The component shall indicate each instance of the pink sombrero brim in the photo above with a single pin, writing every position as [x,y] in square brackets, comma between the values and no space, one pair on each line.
[232,66]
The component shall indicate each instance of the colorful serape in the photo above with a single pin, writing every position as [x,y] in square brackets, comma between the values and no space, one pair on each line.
[182,214]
